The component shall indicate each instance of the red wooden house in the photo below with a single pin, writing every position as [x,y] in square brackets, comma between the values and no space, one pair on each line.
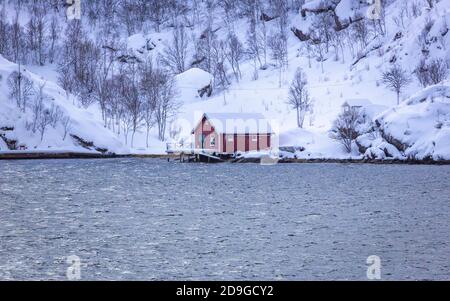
[230,133]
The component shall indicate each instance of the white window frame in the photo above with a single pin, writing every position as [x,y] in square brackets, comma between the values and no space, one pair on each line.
[212,141]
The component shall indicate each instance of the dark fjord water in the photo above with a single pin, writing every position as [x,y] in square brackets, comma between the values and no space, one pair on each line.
[152,220]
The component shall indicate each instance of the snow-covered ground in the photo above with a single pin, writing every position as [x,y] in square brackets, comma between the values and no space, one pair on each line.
[84,123]
[426,123]
[420,126]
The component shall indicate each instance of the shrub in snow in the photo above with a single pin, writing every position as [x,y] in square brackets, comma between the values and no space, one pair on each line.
[348,126]
[433,73]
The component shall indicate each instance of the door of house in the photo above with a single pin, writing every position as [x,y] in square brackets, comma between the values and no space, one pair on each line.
[247,143]
[202,141]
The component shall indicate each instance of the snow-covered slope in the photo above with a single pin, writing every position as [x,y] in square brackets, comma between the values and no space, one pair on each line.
[420,127]
[342,79]
[412,32]
[15,124]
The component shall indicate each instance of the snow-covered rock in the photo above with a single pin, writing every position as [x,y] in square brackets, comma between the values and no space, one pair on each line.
[194,83]
[421,124]
[3,146]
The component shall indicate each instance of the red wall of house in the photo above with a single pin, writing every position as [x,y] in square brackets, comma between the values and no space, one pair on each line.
[205,128]
[245,143]
[229,143]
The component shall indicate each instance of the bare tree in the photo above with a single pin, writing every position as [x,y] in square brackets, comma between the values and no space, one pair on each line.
[79,63]
[337,41]
[396,79]
[278,47]
[4,29]
[220,68]
[17,39]
[345,127]
[323,25]
[319,48]
[319,51]
[299,96]
[21,89]
[42,117]
[55,115]
[308,51]
[102,86]
[433,73]
[361,33]
[234,54]
[203,55]
[253,50]
[262,39]
[67,125]
[37,107]
[255,45]
[36,32]
[166,105]
[43,121]
[438,71]
[175,54]
[133,103]
[54,33]
[149,89]
[422,73]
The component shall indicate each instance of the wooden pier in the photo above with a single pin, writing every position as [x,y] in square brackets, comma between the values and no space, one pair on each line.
[187,155]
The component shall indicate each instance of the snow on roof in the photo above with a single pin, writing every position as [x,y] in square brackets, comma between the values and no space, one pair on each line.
[314,4]
[239,123]
[194,78]
[373,110]
[357,103]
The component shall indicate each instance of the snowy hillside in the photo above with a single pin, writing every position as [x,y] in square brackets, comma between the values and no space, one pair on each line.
[420,127]
[238,57]
[74,130]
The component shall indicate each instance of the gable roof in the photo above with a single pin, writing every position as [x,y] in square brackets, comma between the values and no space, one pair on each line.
[357,102]
[238,123]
